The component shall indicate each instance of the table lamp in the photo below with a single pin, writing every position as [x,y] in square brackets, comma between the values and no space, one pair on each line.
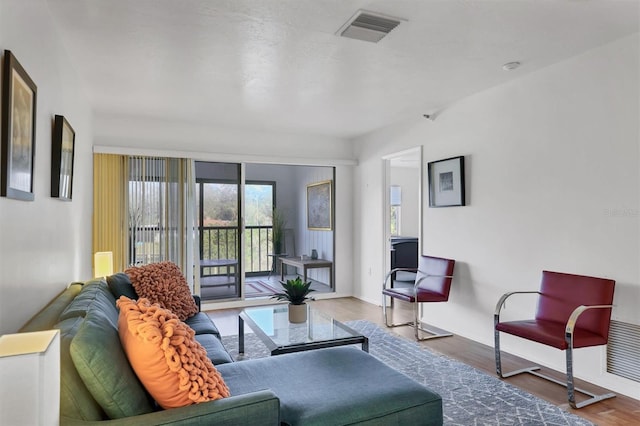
[103,264]
[30,378]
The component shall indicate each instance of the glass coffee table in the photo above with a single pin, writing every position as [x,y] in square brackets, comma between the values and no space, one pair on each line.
[271,324]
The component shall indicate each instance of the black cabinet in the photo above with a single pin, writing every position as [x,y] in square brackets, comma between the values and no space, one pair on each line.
[404,254]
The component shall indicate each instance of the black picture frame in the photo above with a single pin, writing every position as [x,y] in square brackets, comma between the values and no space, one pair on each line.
[446,182]
[18,140]
[62,155]
[320,206]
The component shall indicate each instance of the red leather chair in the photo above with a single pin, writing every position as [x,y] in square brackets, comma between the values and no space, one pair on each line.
[573,312]
[432,284]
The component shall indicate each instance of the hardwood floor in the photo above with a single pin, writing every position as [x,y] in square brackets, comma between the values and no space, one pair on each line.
[617,411]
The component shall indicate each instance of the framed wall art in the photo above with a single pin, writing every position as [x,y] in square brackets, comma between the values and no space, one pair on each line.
[446,182]
[18,144]
[62,150]
[319,206]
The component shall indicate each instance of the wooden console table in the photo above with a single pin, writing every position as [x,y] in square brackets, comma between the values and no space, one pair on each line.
[305,265]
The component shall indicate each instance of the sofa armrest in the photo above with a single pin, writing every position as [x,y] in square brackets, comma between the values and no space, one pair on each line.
[49,315]
[252,409]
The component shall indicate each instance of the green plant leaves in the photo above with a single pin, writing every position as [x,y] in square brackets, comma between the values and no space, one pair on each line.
[295,291]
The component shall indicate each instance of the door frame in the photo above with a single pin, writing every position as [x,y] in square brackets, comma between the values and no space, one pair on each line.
[386,200]
[240,249]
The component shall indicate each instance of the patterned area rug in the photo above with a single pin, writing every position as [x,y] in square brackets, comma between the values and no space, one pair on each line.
[470,396]
[258,288]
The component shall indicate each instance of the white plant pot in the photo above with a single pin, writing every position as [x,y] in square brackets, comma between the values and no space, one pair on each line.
[298,313]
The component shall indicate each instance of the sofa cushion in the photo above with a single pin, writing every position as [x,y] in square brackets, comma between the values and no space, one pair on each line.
[162,350]
[216,351]
[202,324]
[75,400]
[120,285]
[96,293]
[103,366]
[336,386]
[164,284]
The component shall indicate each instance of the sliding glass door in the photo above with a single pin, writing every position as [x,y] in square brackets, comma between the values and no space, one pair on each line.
[259,204]
[236,205]
[218,206]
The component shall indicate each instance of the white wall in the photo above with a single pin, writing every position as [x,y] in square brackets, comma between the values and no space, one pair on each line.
[210,141]
[553,183]
[44,244]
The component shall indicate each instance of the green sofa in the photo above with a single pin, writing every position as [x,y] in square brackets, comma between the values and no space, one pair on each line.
[335,386]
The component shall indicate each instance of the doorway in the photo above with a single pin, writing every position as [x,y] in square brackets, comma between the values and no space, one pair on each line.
[403,209]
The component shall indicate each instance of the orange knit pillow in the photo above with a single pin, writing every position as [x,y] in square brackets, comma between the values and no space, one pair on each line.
[164,284]
[162,350]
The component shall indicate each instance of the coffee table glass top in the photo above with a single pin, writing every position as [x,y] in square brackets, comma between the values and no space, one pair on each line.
[271,324]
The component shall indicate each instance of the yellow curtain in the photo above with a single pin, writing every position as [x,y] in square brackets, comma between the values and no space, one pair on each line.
[110,207]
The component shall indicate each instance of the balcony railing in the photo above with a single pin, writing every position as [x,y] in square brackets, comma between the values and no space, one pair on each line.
[221,242]
[216,242]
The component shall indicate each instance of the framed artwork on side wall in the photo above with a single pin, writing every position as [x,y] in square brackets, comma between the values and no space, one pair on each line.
[319,206]
[62,150]
[446,182]
[18,145]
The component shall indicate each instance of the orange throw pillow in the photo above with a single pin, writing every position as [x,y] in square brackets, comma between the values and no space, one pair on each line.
[164,284]
[170,363]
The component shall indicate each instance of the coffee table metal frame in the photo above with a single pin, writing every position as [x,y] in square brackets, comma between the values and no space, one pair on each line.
[277,349]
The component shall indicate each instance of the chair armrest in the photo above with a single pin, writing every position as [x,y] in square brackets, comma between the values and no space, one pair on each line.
[252,409]
[504,298]
[391,272]
[573,318]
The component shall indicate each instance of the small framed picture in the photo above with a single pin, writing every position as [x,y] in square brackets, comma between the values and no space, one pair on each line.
[62,150]
[446,182]
[18,147]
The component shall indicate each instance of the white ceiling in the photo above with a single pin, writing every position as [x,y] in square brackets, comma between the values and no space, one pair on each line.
[278,65]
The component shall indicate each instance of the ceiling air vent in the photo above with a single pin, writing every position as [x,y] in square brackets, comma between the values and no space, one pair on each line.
[368,26]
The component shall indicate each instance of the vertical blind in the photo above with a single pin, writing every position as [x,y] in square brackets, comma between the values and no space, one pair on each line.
[153,209]
[156,206]
[161,199]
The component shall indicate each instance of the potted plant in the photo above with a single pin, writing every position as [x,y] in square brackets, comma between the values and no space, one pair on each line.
[278,223]
[296,292]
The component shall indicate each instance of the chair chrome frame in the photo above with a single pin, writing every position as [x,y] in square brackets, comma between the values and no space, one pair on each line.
[569,329]
[433,332]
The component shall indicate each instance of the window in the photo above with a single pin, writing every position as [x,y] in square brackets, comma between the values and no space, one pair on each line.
[218,219]
[156,189]
[395,200]
[218,222]
[395,220]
